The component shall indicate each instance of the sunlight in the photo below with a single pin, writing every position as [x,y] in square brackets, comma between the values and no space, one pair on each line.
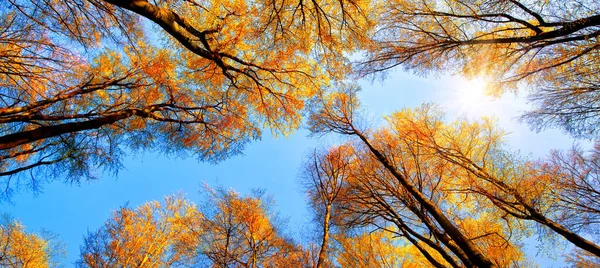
[472,92]
[469,95]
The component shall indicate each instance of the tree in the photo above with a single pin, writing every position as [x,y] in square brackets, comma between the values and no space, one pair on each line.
[539,191]
[429,166]
[576,187]
[241,231]
[153,235]
[19,248]
[397,183]
[583,259]
[550,46]
[83,82]
[230,231]
[323,177]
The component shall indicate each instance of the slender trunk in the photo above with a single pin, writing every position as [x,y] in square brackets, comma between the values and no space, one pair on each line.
[253,259]
[397,219]
[325,240]
[226,252]
[441,237]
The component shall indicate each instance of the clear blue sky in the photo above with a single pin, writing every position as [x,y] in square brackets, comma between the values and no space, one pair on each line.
[271,163]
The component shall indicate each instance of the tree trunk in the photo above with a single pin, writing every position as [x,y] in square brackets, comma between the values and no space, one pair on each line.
[325,240]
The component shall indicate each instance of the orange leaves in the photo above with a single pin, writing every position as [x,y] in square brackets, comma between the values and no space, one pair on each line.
[22,249]
[207,79]
[232,231]
[488,232]
[25,148]
[243,231]
[421,177]
[375,249]
[263,47]
[248,212]
[158,64]
[153,235]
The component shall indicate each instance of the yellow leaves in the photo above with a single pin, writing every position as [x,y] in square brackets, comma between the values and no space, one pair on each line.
[456,168]
[274,75]
[155,234]
[21,249]
[23,157]
[375,249]
[108,64]
[241,229]
[488,232]
[248,211]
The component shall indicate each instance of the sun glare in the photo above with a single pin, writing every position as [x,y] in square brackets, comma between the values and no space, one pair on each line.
[470,95]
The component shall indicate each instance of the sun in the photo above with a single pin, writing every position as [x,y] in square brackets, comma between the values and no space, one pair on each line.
[470,95]
[472,92]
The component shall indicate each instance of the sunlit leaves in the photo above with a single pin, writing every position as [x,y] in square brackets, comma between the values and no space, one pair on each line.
[549,47]
[23,249]
[375,249]
[243,231]
[155,234]
[85,81]
[226,230]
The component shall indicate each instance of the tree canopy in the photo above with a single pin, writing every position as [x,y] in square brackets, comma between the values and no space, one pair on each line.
[227,230]
[85,81]
[549,47]
[19,248]
[454,190]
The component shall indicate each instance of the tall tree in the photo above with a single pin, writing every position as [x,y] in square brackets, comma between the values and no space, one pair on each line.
[544,192]
[19,248]
[153,235]
[397,183]
[242,231]
[324,176]
[433,166]
[576,187]
[583,259]
[228,231]
[550,47]
[83,81]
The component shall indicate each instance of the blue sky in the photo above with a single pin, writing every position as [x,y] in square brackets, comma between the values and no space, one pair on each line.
[272,163]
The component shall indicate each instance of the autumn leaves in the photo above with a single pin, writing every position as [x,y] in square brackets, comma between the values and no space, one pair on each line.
[228,230]
[84,82]
[454,192]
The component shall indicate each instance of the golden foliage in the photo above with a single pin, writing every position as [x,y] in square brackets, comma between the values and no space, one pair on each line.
[233,231]
[375,249]
[153,235]
[203,77]
[549,47]
[22,249]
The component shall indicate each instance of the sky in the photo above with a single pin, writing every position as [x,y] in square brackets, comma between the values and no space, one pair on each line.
[272,163]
